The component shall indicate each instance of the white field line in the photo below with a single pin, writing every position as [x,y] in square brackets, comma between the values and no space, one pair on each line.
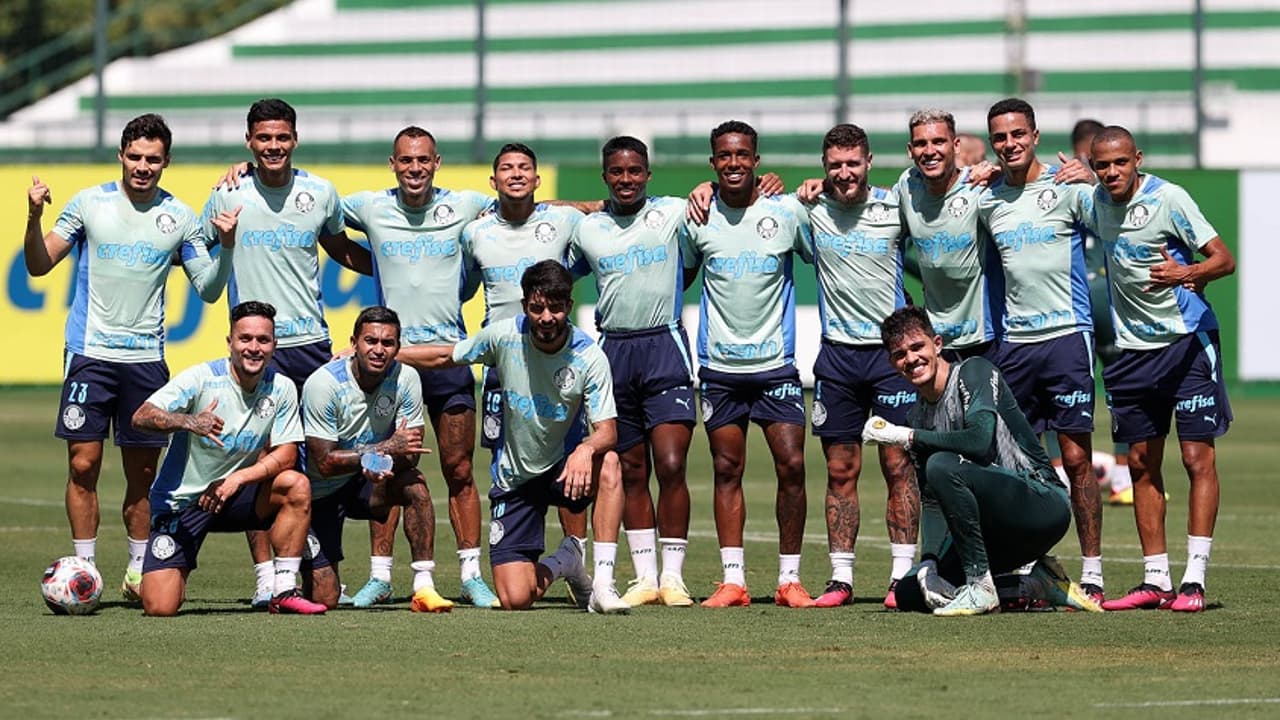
[675,712]
[1191,703]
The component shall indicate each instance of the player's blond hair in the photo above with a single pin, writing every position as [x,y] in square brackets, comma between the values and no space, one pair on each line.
[931,115]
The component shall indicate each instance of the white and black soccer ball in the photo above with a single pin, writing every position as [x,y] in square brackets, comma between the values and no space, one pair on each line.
[71,586]
[1104,464]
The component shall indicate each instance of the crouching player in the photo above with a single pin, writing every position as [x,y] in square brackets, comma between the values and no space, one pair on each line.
[362,416]
[552,376]
[229,465]
[990,499]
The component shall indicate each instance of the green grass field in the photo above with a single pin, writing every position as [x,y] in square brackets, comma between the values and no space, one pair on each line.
[219,659]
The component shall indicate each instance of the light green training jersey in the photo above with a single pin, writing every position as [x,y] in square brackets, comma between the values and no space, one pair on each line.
[123,252]
[545,397]
[748,312]
[336,408]
[857,251]
[251,422]
[417,260]
[277,241]
[1160,215]
[496,253]
[954,256]
[1038,230]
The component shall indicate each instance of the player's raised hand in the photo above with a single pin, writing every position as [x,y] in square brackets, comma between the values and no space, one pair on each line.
[404,441]
[1168,273]
[576,475]
[699,206]
[38,196]
[231,178]
[1073,170]
[207,424]
[226,222]
[810,189]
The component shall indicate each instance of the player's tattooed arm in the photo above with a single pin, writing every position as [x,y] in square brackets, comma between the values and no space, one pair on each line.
[404,446]
[206,423]
[348,253]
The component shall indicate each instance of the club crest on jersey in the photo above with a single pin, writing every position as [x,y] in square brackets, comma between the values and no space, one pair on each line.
[958,206]
[166,223]
[707,410]
[492,427]
[304,201]
[442,214]
[544,232]
[265,407]
[564,378]
[384,406]
[73,417]
[1137,216]
[819,414]
[653,218]
[767,228]
[878,213]
[1047,199]
[163,547]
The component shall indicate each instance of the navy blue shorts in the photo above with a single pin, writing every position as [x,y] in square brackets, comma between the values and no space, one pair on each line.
[1052,380]
[447,389]
[763,397]
[491,411]
[176,537]
[1145,387]
[517,524]
[852,379]
[324,539]
[100,394]
[652,380]
[297,363]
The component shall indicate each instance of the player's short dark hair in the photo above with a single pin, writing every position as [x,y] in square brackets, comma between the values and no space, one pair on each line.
[1013,105]
[146,127]
[549,279]
[729,127]
[1113,133]
[846,135]
[622,143]
[413,131]
[252,308]
[931,115]
[268,109]
[379,315]
[516,148]
[1085,130]
[901,322]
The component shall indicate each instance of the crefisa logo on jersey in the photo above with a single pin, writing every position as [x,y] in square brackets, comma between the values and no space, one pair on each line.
[442,214]
[544,232]
[653,218]
[958,206]
[819,414]
[166,223]
[383,406]
[565,377]
[304,201]
[73,417]
[264,408]
[1047,199]
[1138,216]
[878,213]
[767,228]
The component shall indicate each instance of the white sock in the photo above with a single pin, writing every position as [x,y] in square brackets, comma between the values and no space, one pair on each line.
[644,553]
[380,567]
[265,574]
[733,562]
[673,552]
[87,549]
[422,574]
[1197,559]
[842,567]
[137,550]
[604,554]
[286,573]
[469,564]
[788,569]
[904,555]
[1121,479]
[1091,571]
[1155,571]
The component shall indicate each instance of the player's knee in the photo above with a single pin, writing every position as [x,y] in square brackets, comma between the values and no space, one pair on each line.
[1074,455]
[458,474]
[159,603]
[669,466]
[791,470]
[942,468]
[843,473]
[1198,459]
[727,467]
[84,471]
[295,487]
[610,477]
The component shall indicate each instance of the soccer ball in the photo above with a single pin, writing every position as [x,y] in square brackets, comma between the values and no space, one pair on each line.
[71,586]
[1103,464]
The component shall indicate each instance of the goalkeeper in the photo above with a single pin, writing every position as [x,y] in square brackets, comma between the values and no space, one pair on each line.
[990,499]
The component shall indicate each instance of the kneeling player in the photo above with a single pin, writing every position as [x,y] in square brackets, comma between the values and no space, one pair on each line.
[359,411]
[216,476]
[990,499]
[555,380]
